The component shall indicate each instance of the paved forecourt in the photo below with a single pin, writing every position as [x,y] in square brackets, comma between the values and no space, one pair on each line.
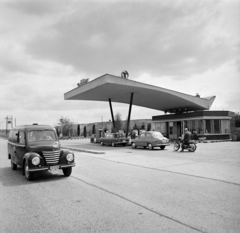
[119,189]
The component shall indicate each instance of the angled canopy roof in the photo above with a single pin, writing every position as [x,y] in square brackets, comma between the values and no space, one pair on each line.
[119,89]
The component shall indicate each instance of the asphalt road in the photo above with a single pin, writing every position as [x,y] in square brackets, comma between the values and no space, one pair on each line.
[127,190]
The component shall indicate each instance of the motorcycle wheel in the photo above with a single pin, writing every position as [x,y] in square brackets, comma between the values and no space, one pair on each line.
[193,147]
[176,146]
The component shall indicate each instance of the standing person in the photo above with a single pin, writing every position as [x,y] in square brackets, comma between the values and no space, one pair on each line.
[186,138]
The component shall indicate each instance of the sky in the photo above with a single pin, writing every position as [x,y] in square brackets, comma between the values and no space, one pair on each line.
[48,46]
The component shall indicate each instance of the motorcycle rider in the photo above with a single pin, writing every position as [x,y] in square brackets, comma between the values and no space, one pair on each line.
[186,138]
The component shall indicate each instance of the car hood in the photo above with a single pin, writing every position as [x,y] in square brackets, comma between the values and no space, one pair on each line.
[46,146]
[162,138]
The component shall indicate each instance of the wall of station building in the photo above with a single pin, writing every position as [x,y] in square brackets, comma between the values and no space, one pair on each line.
[214,125]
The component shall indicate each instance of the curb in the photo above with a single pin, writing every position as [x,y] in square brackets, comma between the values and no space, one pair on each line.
[87,151]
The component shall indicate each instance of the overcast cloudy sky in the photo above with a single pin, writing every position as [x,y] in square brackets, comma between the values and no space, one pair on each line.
[48,46]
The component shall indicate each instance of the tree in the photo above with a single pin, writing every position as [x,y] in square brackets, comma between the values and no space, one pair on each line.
[237,119]
[78,130]
[93,129]
[118,122]
[125,125]
[149,126]
[143,126]
[85,131]
[66,125]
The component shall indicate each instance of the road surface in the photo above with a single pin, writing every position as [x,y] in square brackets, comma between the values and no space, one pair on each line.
[127,190]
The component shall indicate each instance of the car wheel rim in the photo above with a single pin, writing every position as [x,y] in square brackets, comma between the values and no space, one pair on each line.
[133,145]
[149,146]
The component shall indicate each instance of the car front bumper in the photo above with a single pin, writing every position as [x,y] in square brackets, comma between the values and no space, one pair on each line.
[163,144]
[46,168]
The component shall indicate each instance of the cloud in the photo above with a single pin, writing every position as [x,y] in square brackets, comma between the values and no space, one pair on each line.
[157,37]
[38,7]
[47,47]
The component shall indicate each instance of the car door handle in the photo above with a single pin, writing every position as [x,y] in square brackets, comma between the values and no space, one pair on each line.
[15,152]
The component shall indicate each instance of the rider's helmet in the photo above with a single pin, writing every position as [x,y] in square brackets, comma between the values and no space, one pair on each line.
[186,129]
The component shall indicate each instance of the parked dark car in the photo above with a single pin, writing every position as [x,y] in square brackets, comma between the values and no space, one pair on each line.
[114,139]
[150,139]
[37,148]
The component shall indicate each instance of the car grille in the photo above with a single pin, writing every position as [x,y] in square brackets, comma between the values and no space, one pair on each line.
[51,157]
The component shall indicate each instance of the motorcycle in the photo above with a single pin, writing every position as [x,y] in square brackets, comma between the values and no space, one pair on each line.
[191,146]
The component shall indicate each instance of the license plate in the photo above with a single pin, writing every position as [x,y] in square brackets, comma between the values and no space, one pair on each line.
[53,168]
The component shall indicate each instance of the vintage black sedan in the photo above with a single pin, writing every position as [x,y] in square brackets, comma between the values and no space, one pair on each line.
[150,139]
[114,139]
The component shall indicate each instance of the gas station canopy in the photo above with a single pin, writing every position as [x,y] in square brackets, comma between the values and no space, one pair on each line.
[117,89]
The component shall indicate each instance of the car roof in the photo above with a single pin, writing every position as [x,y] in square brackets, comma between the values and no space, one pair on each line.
[151,132]
[32,127]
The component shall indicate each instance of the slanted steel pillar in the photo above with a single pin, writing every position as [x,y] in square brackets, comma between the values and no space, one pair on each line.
[129,114]
[113,121]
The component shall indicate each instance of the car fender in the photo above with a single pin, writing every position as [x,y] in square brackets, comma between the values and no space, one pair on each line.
[64,153]
[28,157]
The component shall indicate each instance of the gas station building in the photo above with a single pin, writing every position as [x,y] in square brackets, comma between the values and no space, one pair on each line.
[181,110]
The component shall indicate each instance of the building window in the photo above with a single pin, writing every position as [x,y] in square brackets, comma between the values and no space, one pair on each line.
[157,126]
[217,126]
[161,127]
[200,127]
[208,126]
[193,125]
[225,126]
[171,128]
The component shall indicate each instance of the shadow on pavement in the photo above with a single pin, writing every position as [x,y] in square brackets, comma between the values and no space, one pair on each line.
[9,177]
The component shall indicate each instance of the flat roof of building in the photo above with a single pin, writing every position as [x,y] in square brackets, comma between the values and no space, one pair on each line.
[119,90]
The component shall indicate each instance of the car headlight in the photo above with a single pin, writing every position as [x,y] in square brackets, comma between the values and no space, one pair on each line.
[35,161]
[70,157]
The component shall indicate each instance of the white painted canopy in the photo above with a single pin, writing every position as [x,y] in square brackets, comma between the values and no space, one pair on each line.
[119,90]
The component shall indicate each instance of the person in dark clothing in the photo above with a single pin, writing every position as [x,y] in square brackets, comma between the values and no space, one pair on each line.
[194,135]
[186,138]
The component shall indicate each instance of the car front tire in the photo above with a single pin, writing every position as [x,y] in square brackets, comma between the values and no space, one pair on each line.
[28,174]
[67,171]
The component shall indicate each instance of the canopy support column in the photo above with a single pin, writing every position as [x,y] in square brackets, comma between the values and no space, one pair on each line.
[113,121]
[129,113]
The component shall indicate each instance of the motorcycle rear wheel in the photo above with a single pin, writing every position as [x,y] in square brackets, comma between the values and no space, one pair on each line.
[193,147]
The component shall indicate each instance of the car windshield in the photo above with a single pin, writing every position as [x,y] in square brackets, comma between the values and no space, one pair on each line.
[157,135]
[41,135]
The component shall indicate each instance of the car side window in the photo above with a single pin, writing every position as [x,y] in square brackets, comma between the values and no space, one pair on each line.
[21,137]
[148,135]
[142,135]
[15,136]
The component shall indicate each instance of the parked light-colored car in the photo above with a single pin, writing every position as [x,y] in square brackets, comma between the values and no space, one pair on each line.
[150,139]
